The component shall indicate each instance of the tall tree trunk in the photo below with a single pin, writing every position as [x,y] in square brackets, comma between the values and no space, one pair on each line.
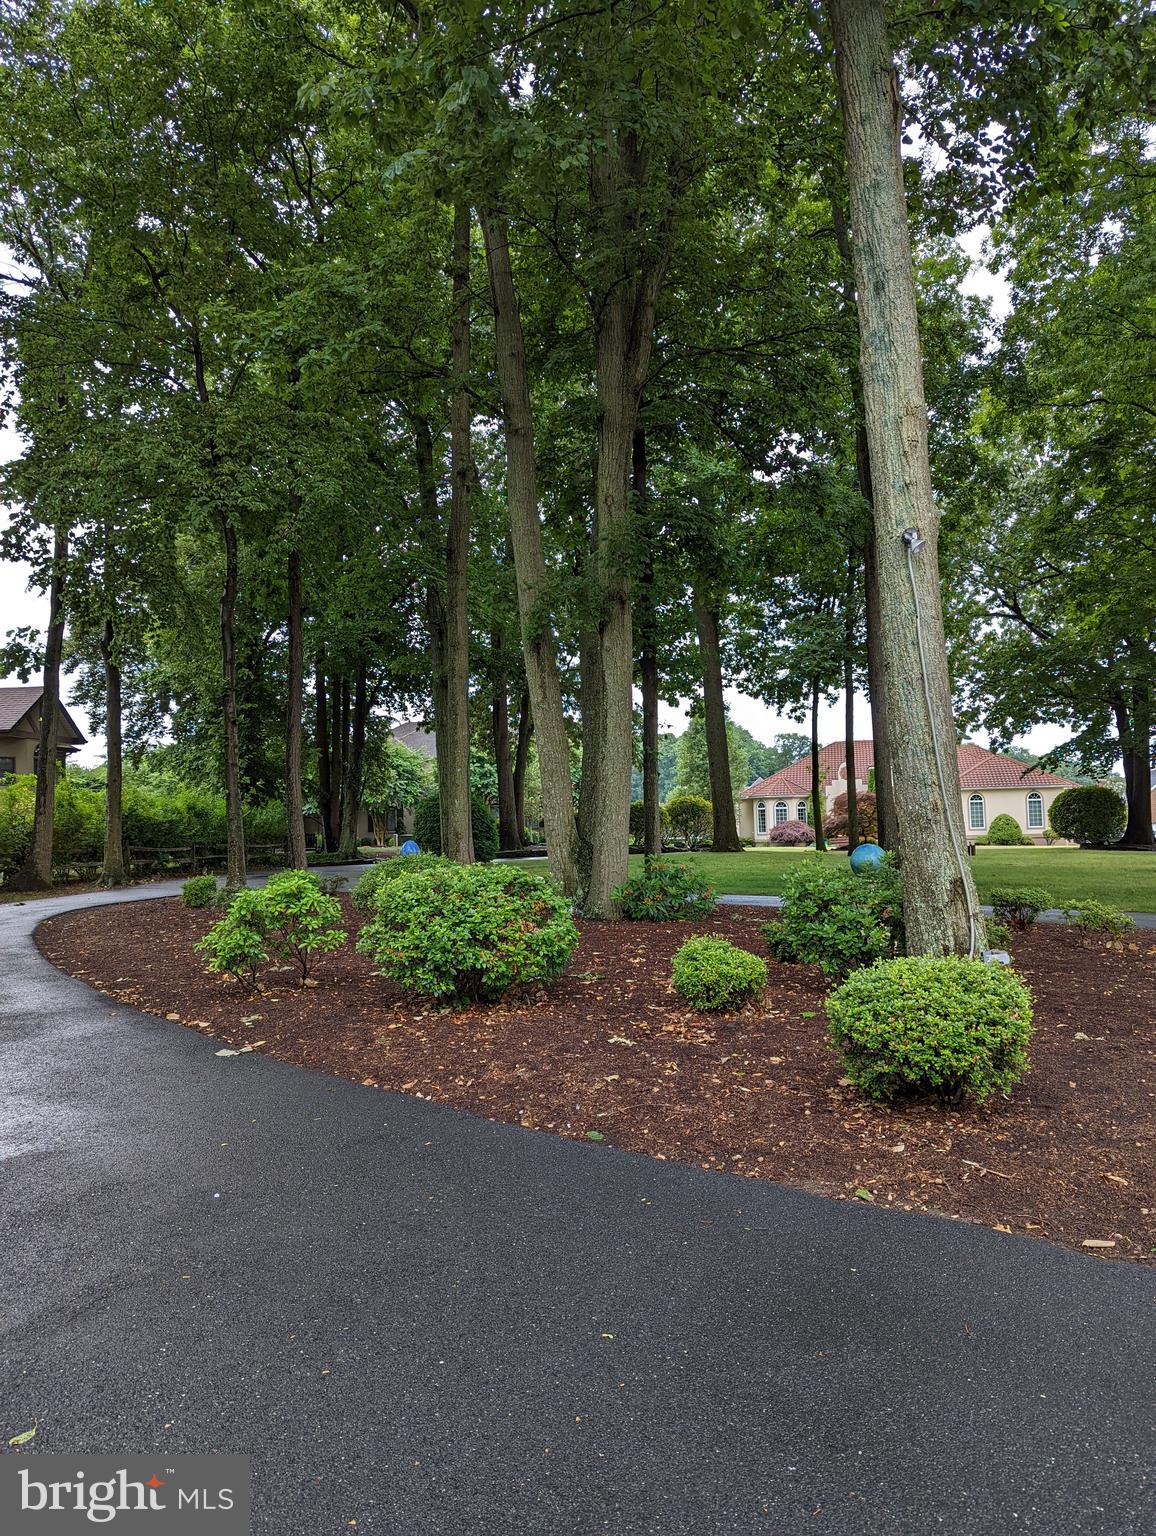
[454,730]
[590,715]
[886,830]
[354,758]
[324,760]
[1134,727]
[340,740]
[236,867]
[627,290]
[611,736]
[533,580]
[880,725]
[509,828]
[941,911]
[725,838]
[113,872]
[35,873]
[294,704]
[521,756]
[816,776]
[647,659]
[849,698]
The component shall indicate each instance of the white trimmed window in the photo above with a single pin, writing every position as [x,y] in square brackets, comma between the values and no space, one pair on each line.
[801,811]
[1035,812]
[760,818]
[976,813]
[780,812]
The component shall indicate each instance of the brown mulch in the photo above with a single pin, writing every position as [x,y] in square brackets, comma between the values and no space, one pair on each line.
[610,1053]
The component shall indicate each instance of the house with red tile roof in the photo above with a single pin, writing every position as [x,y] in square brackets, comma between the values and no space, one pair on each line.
[991,785]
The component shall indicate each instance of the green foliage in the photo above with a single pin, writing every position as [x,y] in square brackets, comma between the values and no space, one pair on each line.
[291,918]
[711,973]
[998,934]
[1099,917]
[1006,832]
[200,891]
[837,919]
[1090,813]
[379,875]
[693,764]
[1019,905]
[925,1025]
[664,891]
[469,931]
[689,819]
[17,808]
[236,945]
[301,920]
[427,826]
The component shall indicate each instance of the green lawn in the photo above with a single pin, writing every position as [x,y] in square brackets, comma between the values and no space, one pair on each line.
[1127,880]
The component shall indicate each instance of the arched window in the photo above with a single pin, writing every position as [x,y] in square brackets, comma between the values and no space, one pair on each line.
[760,818]
[1035,811]
[976,813]
[801,811]
[780,812]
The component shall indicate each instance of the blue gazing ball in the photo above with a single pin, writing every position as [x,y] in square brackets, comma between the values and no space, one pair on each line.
[866,857]
[409,846]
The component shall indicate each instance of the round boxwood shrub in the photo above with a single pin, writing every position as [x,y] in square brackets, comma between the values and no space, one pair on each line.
[791,834]
[427,826]
[1089,813]
[200,891]
[1020,905]
[1006,832]
[836,919]
[712,973]
[385,871]
[470,930]
[665,891]
[930,1025]
[690,819]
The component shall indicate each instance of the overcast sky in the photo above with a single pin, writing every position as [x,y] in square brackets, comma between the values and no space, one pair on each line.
[19,606]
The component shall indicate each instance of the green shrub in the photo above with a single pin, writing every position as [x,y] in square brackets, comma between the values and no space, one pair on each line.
[1006,832]
[836,919]
[200,891]
[638,824]
[1020,905]
[1051,835]
[1099,917]
[690,819]
[427,826]
[664,891]
[386,871]
[929,1025]
[712,973]
[301,920]
[998,934]
[17,809]
[236,945]
[1089,813]
[470,931]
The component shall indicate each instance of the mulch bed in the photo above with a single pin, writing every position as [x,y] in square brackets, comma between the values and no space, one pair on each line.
[611,1053]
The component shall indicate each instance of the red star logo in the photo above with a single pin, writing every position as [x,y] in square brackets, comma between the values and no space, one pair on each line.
[155,1482]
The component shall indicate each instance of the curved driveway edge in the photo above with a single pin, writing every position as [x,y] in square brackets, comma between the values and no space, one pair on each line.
[418,1322]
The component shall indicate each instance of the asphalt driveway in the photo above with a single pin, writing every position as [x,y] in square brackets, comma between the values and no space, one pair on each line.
[418,1322]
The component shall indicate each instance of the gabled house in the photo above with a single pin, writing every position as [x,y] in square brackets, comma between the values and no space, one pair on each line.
[991,785]
[20,730]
